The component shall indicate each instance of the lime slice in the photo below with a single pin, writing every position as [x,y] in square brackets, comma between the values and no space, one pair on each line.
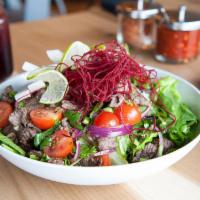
[27,67]
[54,55]
[57,85]
[76,48]
[34,73]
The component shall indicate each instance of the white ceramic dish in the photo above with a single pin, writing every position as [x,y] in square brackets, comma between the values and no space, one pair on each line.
[105,175]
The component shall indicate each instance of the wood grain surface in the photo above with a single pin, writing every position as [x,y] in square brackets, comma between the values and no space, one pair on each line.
[30,41]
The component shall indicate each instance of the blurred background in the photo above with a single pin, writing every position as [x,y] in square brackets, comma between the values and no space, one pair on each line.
[28,10]
[154,32]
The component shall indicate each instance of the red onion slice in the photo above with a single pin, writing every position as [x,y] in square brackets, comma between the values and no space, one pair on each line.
[78,150]
[146,111]
[99,132]
[76,134]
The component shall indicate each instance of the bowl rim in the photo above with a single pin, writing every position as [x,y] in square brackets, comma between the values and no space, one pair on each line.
[69,167]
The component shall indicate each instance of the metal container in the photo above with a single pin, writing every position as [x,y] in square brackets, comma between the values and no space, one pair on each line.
[137,23]
[178,36]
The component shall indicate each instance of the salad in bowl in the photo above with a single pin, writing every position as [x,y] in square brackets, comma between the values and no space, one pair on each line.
[94,106]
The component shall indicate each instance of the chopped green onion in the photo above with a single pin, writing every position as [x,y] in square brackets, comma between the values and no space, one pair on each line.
[45,143]
[86,120]
[108,109]
[38,138]
[9,148]
[33,157]
[8,142]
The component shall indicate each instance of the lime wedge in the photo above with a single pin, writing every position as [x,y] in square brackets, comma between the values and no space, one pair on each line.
[57,85]
[76,48]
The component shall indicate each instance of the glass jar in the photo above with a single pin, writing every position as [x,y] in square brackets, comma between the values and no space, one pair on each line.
[5,47]
[178,37]
[137,24]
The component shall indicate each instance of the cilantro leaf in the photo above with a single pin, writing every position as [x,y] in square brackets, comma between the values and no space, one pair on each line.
[74,119]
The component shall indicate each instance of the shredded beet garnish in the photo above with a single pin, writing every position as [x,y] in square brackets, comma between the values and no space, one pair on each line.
[103,72]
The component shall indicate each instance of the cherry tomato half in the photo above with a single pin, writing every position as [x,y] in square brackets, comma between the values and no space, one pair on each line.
[44,118]
[5,111]
[105,160]
[128,114]
[62,145]
[106,119]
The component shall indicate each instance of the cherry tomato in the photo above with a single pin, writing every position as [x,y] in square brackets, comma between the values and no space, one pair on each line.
[106,119]
[44,118]
[128,114]
[62,145]
[105,160]
[5,111]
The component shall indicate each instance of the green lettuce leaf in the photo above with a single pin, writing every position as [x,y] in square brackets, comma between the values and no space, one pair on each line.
[185,118]
[86,149]
[123,144]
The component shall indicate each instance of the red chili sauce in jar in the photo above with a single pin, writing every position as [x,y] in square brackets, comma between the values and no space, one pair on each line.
[178,36]
[180,46]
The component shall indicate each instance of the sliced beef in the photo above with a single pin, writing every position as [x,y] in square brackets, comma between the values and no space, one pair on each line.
[34,101]
[8,94]
[21,123]
[19,118]
[25,135]
[167,145]
[13,137]
[25,130]
[65,125]
[95,161]
[10,133]
[8,129]
[139,96]
[150,151]
[106,143]
[20,115]
[36,153]
[116,100]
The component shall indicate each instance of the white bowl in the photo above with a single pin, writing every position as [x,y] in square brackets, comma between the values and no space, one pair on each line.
[111,174]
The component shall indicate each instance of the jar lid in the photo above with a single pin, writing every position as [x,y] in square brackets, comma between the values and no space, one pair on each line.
[182,20]
[138,9]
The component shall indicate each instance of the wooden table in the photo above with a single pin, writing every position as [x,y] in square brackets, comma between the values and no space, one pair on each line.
[30,41]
